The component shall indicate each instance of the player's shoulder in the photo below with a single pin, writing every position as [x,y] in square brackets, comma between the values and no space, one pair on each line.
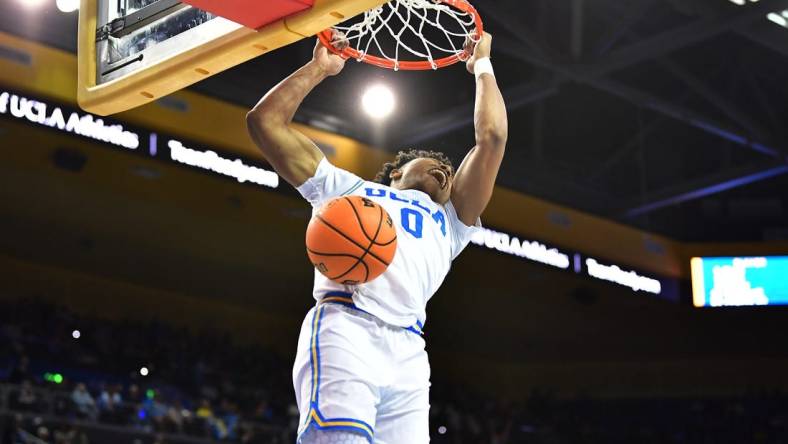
[325,166]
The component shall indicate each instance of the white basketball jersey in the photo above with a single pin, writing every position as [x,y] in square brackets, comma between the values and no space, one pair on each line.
[429,237]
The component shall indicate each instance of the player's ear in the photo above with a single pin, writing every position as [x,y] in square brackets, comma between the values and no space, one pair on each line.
[395,174]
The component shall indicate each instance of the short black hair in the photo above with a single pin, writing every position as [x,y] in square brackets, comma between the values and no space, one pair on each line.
[403,157]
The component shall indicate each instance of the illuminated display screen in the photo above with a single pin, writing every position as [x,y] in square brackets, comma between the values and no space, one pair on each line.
[575,262]
[67,119]
[737,281]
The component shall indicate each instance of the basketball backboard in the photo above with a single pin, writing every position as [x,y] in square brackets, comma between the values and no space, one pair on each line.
[132,52]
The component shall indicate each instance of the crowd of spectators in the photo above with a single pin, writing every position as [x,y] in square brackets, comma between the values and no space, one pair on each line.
[60,373]
[146,375]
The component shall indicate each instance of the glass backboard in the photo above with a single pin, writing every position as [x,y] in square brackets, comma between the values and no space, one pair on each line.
[134,51]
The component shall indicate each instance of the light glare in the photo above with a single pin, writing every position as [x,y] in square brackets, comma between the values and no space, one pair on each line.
[378,101]
[76,334]
[144,371]
[777,18]
[67,5]
[31,3]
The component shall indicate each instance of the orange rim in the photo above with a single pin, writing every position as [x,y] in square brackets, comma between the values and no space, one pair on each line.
[353,53]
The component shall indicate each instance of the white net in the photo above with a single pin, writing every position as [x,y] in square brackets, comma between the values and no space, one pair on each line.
[406,31]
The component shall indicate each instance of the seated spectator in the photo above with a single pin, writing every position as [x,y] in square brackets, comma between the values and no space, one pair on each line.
[26,399]
[62,405]
[134,396]
[178,417]
[110,404]
[83,401]
[42,433]
[230,420]
[215,423]
[204,411]
[133,405]
[155,411]
[263,412]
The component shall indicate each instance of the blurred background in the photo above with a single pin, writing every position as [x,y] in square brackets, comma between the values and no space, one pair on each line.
[153,276]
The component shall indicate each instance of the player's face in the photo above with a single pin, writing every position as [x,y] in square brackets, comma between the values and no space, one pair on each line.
[427,175]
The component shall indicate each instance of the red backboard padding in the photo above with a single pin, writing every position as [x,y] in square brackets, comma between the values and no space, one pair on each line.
[252,13]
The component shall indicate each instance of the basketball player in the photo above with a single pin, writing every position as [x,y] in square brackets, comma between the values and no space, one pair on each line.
[361,372]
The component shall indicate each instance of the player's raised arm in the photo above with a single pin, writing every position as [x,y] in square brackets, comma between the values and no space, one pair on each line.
[475,178]
[291,153]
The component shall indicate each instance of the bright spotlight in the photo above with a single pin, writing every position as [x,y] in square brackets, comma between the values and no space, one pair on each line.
[67,5]
[777,18]
[31,3]
[144,371]
[378,101]
[76,334]
[442,430]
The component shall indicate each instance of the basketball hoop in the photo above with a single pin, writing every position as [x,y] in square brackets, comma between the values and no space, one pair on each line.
[448,24]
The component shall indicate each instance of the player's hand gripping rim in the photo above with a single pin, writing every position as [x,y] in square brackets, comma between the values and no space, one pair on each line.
[477,50]
[328,61]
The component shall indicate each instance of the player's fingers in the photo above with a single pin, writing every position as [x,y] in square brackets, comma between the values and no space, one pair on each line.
[339,40]
[467,48]
[485,39]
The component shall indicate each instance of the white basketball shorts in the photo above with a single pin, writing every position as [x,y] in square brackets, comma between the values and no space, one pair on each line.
[354,372]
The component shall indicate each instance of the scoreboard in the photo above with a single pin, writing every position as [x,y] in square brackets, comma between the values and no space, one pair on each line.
[738,281]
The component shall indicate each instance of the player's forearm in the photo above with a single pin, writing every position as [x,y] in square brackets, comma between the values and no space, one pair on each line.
[294,157]
[278,107]
[490,118]
[290,153]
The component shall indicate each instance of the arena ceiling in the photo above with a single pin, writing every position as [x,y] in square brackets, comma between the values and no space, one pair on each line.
[662,114]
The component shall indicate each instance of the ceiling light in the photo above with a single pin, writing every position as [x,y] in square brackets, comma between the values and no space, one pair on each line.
[775,17]
[31,3]
[378,101]
[779,19]
[67,5]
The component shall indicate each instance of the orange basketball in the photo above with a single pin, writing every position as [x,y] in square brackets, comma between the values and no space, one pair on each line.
[351,240]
